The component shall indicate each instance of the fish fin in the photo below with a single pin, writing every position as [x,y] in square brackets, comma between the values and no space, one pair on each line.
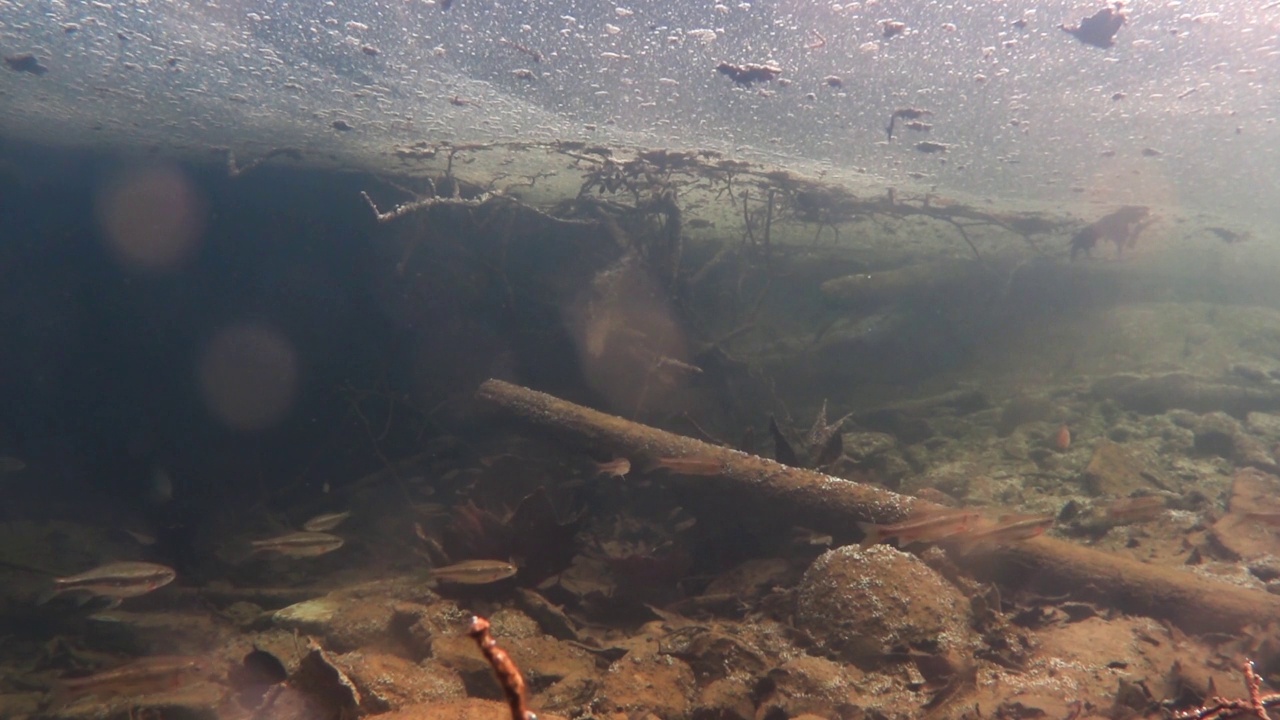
[871,534]
[44,597]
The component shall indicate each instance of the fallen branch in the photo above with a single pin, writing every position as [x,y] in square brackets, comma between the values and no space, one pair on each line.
[504,667]
[1220,708]
[831,505]
[416,205]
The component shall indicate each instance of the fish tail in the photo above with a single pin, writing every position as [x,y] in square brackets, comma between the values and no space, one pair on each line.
[870,533]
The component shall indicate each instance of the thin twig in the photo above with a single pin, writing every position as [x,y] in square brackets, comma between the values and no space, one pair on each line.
[513,685]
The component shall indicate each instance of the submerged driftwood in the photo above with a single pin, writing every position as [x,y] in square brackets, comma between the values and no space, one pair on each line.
[1155,394]
[832,505]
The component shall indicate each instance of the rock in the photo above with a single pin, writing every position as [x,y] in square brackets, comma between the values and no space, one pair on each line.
[1266,568]
[344,624]
[1118,471]
[511,624]
[550,618]
[354,617]
[952,478]
[751,578]
[899,425]
[468,709]
[1021,410]
[1253,373]
[859,604]
[1218,434]
[1264,424]
[862,446]
[388,682]
[1238,537]
[544,661]
[713,655]
[567,696]
[645,681]
[810,685]
[459,653]
[725,699]
[1156,394]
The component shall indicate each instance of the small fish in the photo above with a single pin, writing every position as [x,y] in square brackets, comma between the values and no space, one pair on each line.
[688,466]
[1062,438]
[161,489]
[474,572]
[617,467]
[299,544]
[10,464]
[142,538]
[1009,529]
[1271,518]
[140,677]
[929,528]
[1135,510]
[116,580]
[327,521]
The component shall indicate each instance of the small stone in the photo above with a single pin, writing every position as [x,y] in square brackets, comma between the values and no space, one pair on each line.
[646,682]
[1266,568]
[1118,471]
[860,604]
[388,682]
[1264,424]
[862,446]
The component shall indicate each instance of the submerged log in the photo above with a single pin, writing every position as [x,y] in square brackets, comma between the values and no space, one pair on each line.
[1155,394]
[833,505]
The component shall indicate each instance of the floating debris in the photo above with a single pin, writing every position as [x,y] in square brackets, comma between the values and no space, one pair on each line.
[325,522]
[299,544]
[1121,227]
[929,147]
[116,580]
[749,73]
[1230,237]
[474,572]
[25,62]
[1099,29]
[907,114]
[892,28]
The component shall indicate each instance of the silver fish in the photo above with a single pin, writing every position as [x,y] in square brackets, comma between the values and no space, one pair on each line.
[140,677]
[299,544]
[117,580]
[327,521]
[474,572]
[10,464]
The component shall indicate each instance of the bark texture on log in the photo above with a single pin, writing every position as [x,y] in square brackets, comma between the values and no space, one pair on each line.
[833,505]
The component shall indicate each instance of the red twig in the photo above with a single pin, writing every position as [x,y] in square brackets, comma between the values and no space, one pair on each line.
[1220,708]
[508,674]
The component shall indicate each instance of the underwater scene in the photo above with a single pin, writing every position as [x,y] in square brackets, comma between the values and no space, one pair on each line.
[496,359]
